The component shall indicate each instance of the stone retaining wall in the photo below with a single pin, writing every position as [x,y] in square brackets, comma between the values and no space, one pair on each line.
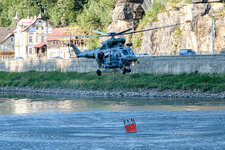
[151,64]
[181,64]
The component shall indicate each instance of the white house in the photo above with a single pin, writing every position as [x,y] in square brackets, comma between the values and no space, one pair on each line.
[28,40]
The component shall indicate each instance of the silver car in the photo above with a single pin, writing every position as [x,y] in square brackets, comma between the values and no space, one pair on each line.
[222,51]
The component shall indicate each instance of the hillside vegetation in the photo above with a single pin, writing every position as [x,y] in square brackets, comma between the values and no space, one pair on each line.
[89,14]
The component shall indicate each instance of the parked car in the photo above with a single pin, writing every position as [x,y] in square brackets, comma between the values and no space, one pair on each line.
[143,54]
[222,51]
[57,57]
[18,58]
[187,52]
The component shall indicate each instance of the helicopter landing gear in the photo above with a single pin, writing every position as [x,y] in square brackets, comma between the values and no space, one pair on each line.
[128,70]
[99,73]
[125,70]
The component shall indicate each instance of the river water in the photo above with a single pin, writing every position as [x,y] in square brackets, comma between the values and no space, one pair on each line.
[96,123]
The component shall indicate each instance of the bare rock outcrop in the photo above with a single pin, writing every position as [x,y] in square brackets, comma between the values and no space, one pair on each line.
[195,31]
[125,13]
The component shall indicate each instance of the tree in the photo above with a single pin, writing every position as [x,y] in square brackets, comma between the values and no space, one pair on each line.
[60,12]
[96,15]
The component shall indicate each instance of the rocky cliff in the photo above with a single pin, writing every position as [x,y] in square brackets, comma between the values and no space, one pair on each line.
[195,31]
[125,13]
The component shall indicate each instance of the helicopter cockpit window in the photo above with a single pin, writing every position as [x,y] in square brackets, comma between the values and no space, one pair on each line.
[125,52]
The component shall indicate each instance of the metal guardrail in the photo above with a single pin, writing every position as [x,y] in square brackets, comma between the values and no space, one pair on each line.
[177,54]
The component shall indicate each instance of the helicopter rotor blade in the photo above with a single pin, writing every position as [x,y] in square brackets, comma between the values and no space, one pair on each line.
[156,28]
[101,33]
[125,32]
[122,32]
[83,36]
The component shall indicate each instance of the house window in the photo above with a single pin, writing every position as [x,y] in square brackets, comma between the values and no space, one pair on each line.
[12,39]
[36,27]
[39,21]
[42,39]
[30,39]
[42,28]
[36,38]
[4,47]
[82,43]
[13,46]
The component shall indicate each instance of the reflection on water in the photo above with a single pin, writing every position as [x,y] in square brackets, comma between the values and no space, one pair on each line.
[23,104]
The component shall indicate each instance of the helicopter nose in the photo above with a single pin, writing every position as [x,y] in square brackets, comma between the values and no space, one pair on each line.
[131,58]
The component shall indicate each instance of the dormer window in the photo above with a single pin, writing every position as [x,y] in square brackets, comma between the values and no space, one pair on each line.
[30,39]
[25,26]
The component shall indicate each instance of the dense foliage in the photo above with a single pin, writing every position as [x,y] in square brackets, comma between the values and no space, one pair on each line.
[93,13]
[96,15]
[109,81]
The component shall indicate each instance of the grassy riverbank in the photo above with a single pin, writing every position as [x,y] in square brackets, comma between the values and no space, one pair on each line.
[109,81]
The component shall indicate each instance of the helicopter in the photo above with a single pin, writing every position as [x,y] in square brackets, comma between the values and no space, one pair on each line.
[113,53]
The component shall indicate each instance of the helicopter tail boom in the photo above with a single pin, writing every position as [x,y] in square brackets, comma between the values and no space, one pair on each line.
[75,49]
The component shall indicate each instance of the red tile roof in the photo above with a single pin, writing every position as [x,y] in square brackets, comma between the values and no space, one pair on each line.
[40,45]
[56,31]
[31,23]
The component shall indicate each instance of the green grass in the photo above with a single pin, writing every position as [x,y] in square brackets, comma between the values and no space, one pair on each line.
[108,81]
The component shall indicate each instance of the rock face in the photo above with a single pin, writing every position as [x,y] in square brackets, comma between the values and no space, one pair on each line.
[125,13]
[195,31]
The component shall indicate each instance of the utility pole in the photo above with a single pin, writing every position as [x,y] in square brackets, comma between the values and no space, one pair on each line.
[212,37]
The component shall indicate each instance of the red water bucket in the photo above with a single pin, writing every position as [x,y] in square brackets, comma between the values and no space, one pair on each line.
[130,127]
